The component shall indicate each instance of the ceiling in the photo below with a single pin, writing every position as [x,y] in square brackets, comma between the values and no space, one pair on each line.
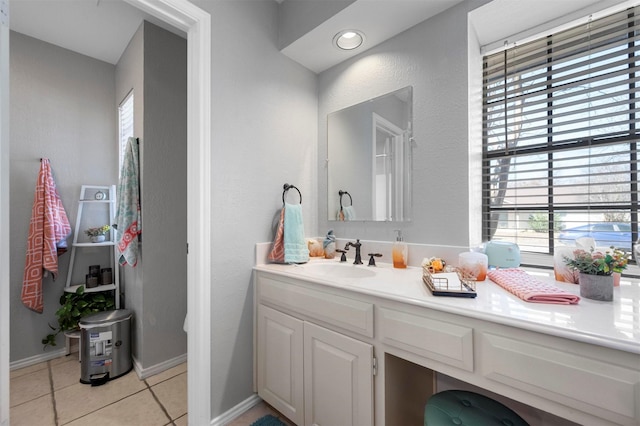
[378,20]
[102,29]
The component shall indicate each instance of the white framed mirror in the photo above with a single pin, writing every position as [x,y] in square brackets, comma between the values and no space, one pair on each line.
[369,159]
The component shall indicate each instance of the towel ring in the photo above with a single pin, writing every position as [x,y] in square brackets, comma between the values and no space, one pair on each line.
[341,193]
[287,187]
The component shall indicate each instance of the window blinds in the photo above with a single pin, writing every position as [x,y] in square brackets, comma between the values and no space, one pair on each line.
[125,112]
[560,137]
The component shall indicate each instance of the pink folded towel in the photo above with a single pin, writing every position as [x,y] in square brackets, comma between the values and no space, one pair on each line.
[530,289]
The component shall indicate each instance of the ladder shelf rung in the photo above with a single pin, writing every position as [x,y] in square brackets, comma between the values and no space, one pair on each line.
[104,287]
[102,244]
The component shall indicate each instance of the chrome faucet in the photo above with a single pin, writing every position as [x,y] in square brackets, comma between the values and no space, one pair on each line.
[357,246]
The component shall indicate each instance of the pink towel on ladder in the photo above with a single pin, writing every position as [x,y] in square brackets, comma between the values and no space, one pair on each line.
[530,289]
[48,231]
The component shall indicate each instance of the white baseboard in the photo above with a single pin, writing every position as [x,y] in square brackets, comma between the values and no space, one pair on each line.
[37,359]
[144,373]
[230,415]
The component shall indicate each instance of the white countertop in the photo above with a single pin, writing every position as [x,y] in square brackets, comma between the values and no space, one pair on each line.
[613,324]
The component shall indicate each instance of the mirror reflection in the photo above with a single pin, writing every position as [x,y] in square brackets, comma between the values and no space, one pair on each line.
[369,152]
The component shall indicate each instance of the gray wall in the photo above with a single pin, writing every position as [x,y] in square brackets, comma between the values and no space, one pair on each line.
[61,109]
[164,196]
[431,57]
[154,66]
[264,131]
[130,76]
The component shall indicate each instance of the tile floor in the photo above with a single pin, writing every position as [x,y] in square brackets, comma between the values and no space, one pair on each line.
[50,394]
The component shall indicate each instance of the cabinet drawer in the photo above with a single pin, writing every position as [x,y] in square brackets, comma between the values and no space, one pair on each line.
[346,313]
[428,337]
[562,376]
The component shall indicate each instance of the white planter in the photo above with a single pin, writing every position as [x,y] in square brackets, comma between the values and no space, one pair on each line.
[98,238]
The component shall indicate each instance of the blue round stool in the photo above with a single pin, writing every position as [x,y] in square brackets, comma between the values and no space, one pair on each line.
[457,407]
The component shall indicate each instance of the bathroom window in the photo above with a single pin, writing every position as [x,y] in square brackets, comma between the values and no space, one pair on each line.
[125,114]
[560,137]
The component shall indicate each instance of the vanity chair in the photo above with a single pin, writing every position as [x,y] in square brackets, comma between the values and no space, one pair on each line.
[458,407]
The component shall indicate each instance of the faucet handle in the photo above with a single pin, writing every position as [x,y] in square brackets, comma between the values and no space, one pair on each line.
[343,258]
[372,261]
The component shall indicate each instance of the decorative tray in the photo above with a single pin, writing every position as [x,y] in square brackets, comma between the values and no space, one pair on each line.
[452,283]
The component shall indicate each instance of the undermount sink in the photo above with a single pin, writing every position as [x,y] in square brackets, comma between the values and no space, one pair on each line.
[336,270]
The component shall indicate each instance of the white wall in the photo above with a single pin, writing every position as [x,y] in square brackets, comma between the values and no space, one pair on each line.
[62,109]
[431,57]
[264,127]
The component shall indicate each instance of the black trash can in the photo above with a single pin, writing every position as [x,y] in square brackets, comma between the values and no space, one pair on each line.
[105,345]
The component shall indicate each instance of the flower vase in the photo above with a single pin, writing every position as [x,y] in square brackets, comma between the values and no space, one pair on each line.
[596,287]
[98,238]
[616,279]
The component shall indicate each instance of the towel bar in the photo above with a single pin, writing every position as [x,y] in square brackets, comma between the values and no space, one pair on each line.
[287,187]
[341,193]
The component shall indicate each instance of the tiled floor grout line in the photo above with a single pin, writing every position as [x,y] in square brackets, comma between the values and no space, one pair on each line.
[164,410]
[53,394]
[101,407]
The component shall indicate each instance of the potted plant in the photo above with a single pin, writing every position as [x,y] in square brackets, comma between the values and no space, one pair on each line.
[596,271]
[97,235]
[74,307]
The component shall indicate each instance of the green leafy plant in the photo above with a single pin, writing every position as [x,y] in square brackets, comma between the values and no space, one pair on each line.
[76,306]
[597,263]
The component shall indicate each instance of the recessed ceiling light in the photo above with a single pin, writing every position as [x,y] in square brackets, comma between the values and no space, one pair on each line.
[348,39]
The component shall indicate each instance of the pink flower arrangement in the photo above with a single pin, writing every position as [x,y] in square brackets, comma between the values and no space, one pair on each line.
[598,263]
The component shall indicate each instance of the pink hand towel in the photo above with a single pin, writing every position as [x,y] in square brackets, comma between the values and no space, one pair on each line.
[530,289]
[48,231]
[276,254]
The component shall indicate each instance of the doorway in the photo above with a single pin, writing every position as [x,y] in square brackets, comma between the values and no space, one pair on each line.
[196,23]
[388,169]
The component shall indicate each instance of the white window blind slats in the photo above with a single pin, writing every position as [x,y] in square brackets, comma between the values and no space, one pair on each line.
[592,70]
[566,45]
[125,112]
[559,134]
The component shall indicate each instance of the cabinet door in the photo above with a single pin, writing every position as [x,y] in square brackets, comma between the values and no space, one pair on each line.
[279,362]
[338,379]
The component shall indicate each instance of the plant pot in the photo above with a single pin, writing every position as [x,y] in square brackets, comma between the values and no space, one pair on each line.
[596,287]
[98,238]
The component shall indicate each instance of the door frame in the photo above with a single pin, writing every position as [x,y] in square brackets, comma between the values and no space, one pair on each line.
[197,24]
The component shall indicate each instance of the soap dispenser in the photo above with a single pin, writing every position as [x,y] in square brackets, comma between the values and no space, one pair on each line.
[399,251]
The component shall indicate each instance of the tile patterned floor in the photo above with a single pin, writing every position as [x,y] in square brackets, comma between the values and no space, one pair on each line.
[50,394]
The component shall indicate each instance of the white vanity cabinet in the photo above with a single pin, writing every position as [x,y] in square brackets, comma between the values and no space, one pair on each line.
[315,340]
[306,367]
[279,366]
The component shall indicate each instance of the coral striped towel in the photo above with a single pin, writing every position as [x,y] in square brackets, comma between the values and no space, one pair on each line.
[530,289]
[276,254]
[48,231]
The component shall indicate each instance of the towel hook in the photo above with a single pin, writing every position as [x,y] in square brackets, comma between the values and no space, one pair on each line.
[287,187]
[341,193]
